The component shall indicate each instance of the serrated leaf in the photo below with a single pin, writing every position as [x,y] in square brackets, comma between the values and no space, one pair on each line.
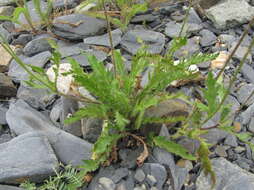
[172,147]
[104,143]
[121,122]
[203,153]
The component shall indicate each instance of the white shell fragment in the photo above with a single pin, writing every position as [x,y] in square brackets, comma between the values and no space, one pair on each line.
[64,82]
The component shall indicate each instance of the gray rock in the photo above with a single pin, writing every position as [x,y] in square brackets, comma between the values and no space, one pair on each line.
[36,98]
[231,140]
[247,115]
[208,38]
[129,157]
[214,136]
[154,40]
[83,60]
[37,45]
[229,177]
[17,72]
[244,92]
[221,151]
[140,175]
[68,148]
[69,107]
[151,180]
[106,184]
[5,33]
[119,174]
[3,111]
[192,47]
[6,10]
[69,4]
[36,20]
[16,165]
[71,49]
[251,125]
[77,26]
[7,88]
[104,39]
[56,111]
[91,129]
[103,172]
[179,175]
[23,39]
[189,144]
[143,18]
[8,187]
[239,149]
[240,52]
[248,72]
[157,171]
[173,29]
[5,138]
[230,13]
[227,39]
[194,17]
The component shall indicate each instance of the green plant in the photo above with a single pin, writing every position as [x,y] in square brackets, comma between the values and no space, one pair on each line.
[67,179]
[119,99]
[22,8]
[123,10]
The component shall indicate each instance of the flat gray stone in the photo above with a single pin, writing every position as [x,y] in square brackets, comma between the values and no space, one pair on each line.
[69,149]
[230,13]
[69,107]
[3,111]
[37,45]
[83,60]
[5,34]
[247,115]
[208,38]
[28,156]
[8,187]
[17,72]
[154,40]
[248,72]
[244,92]
[77,26]
[192,47]
[36,20]
[36,98]
[60,4]
[229,177]
[251,125]
[240,52]
[173,29]
[179,175]
[91,129]
[103,40]
[72,49]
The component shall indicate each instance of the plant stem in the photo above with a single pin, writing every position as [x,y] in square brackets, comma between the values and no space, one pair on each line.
[245,33]
[231,81]
[110,36]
